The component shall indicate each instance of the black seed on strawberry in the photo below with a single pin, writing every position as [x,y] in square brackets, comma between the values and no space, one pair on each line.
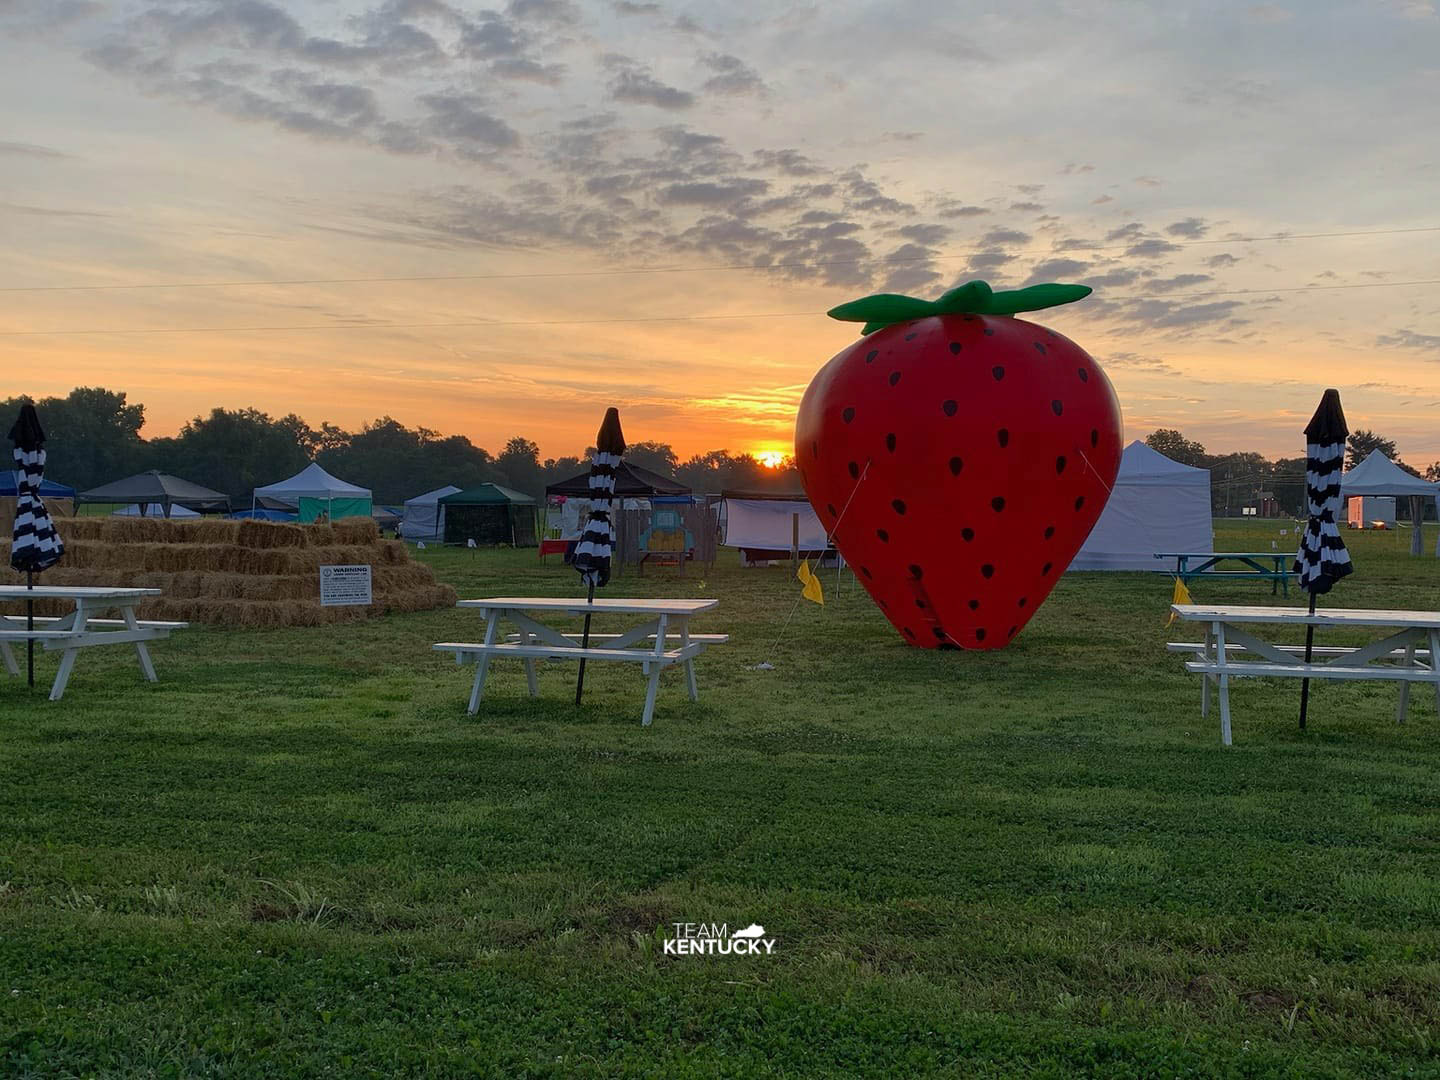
[997,503]
[1045,569]
[870,356]
[1022,602]
[1012,631]
[954,348]
[980,634]
[1094,436]
[815,449]
[1003,435]
[831,508]
[1049,531]
[848,415]
[998,372]
[890,442]
[974,605]
[866,571]
[955,466]
[951,407]
[1060,464]
[1056,407]
[1084,375]
[911,337]
[894,377]
[940,633]
[854,471]
[1040,347]
[916,572]
[1079,502]
[967,534]
[883,604]
[909,632]
[989,332]
[898,505]
[987,570]
[883,535]
[920,603]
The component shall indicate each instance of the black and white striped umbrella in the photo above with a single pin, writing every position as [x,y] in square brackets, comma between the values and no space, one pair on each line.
[35,545]
[1322,559]
[597,542]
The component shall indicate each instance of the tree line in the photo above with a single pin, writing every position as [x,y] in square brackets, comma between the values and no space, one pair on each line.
[1244,479]
[94,437]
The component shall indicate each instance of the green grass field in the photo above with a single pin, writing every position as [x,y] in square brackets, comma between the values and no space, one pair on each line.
[297,856]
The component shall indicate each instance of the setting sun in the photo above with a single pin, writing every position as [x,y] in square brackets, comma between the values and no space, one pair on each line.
[771,459]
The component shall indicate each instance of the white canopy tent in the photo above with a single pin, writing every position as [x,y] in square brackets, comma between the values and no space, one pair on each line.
[1157,505]
[1378,475]
[764,528]
[313,491]
[424,516]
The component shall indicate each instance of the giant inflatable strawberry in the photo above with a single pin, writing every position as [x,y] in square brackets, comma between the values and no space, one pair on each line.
[959,457]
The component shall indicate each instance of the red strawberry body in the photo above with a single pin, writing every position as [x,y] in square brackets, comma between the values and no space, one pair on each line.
[965,458]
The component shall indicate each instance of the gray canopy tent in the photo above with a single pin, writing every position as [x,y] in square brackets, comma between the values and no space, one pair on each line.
[1378,475]
[155,488]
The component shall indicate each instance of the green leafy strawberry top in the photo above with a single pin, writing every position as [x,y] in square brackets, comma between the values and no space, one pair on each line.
[972,298]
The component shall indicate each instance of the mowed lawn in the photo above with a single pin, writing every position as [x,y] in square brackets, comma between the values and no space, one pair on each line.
[297,856]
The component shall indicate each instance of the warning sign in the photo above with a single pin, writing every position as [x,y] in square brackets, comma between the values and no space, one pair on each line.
[342,586]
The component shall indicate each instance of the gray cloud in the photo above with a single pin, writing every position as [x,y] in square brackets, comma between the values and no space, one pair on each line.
[25,149]
[732,76]
[1062,270]
[463,119]
[1410,339]
[1150,249]
[636,86]
[1005,238]
[1026,207]
[927,234]
[1179,281]
[1132,231]
[1192,228]
[1221,261]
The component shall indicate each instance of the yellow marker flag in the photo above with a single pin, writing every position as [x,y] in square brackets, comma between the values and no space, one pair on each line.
[812,590]
[1181,595]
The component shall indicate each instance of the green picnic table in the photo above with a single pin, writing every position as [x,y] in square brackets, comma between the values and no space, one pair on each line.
[1271,566]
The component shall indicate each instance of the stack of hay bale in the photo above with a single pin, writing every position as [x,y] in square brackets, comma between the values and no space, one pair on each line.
[237,573]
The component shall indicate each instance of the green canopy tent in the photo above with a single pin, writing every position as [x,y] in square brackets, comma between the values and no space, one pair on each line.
[489,514]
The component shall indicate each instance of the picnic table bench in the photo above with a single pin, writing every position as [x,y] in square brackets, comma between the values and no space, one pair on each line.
[1271,566]
[663,639]
[81,629]
[1231,650]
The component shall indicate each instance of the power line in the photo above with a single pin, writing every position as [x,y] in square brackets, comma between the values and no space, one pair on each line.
[628,271]
[644,319]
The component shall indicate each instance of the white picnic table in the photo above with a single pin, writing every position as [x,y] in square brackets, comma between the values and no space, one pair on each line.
[1405,652]
[660,639]
[81,629]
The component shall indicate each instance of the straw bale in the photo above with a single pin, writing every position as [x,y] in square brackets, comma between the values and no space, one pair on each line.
[271,534]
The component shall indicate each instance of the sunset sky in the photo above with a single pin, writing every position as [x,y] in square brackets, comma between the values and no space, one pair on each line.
[600,181]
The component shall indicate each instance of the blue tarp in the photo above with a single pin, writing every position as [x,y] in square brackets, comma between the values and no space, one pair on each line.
[48,488]
[261,514]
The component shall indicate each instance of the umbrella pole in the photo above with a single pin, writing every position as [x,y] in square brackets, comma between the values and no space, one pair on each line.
[584,644]
[30,628]
[1305,683]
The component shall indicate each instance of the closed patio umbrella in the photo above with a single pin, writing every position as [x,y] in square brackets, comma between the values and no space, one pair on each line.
[1322,559]
[35,546]
[597,542]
